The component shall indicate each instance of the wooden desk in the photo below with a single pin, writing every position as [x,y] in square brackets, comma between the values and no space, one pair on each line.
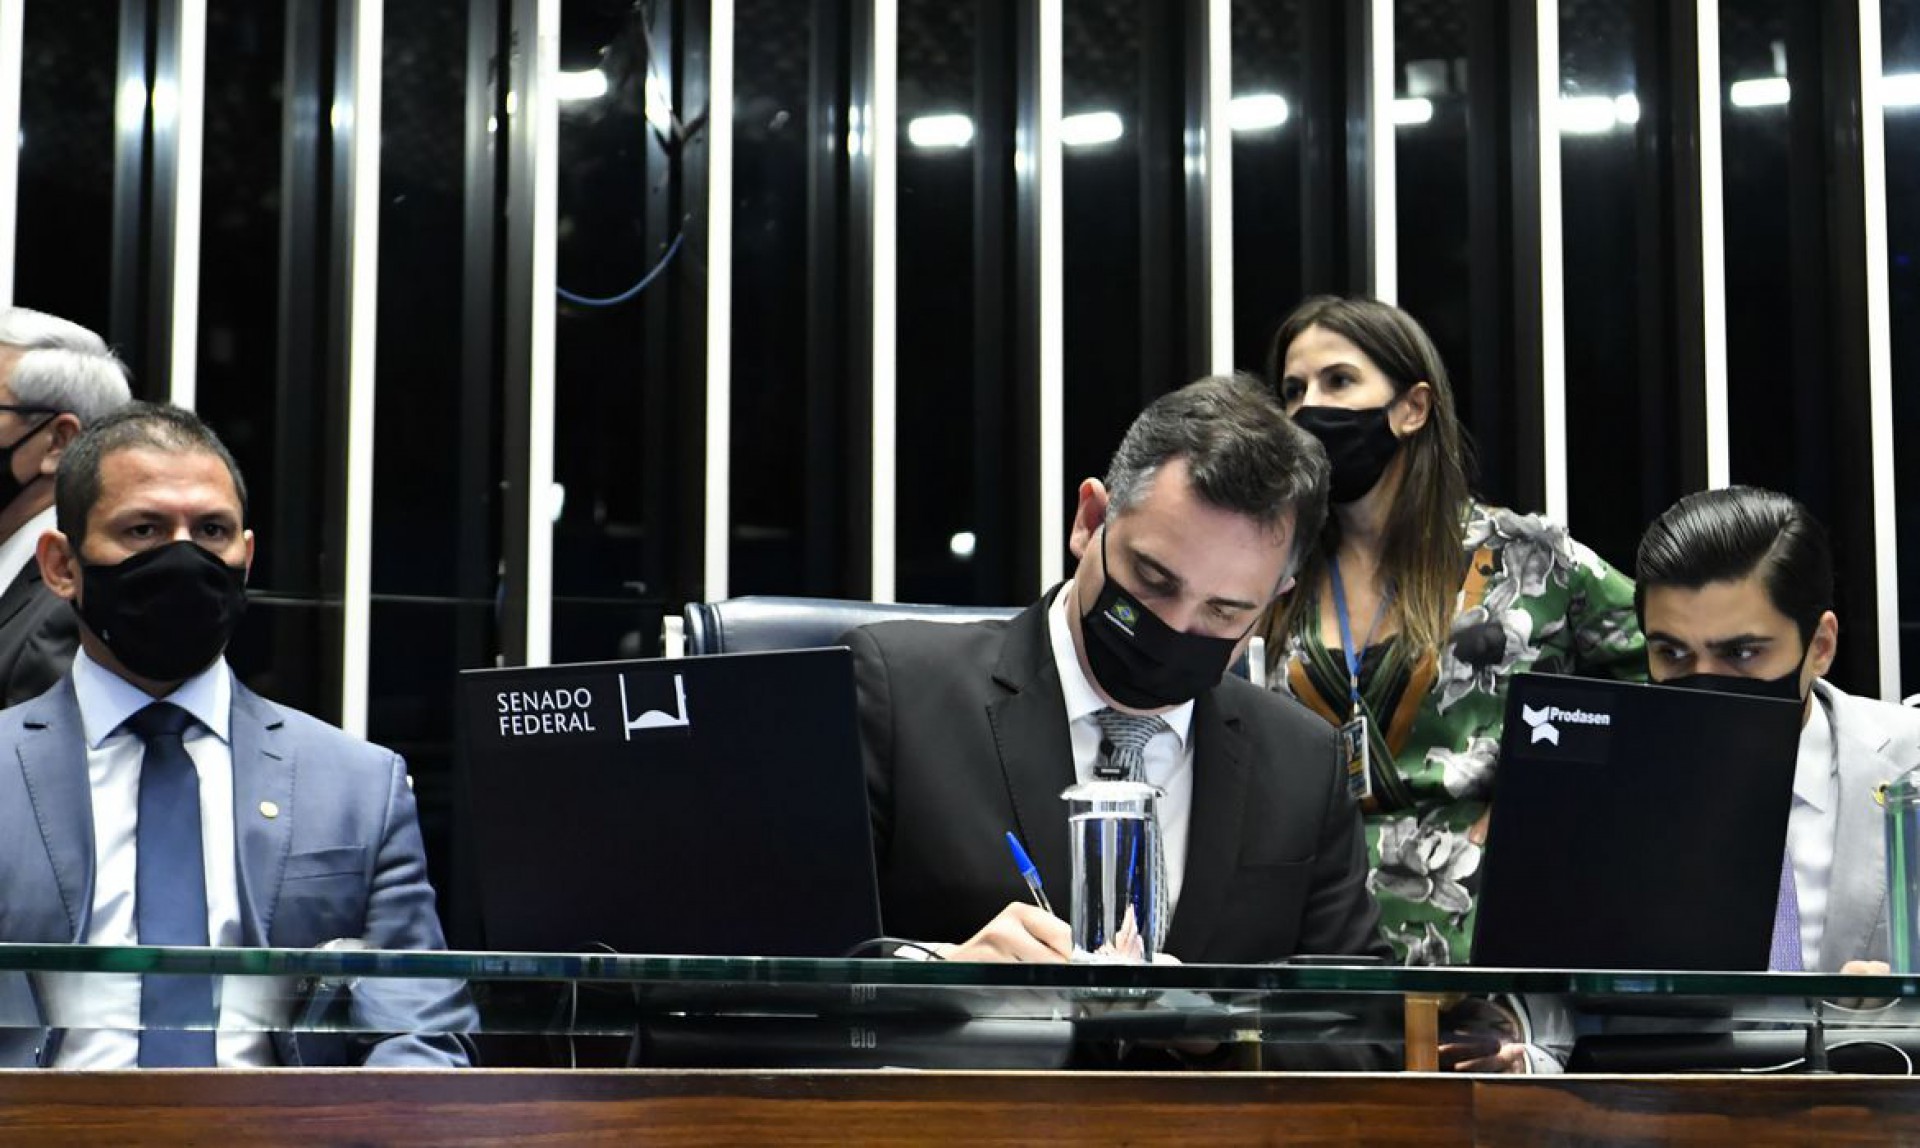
[528,1107]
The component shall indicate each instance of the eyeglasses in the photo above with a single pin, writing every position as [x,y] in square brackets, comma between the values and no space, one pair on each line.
[26,410]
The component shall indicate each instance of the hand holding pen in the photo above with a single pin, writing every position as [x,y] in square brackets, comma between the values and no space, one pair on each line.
[1029,872]
[1020,932]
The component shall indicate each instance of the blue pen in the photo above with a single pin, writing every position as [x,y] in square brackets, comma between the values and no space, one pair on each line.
[1028,872]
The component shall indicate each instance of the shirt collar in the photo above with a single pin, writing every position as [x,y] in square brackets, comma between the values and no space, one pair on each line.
[1814,769]
[107,700]
[1082,699]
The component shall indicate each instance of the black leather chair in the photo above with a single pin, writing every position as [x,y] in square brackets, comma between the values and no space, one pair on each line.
[756,623]
[765,622]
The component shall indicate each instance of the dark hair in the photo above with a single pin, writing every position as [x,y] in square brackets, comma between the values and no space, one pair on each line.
[1421,554]
[1243,455]
[136,426]
[1736,533]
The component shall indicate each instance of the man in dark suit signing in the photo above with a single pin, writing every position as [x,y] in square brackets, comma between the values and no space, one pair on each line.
[971,731]
[149,798]
[55,378]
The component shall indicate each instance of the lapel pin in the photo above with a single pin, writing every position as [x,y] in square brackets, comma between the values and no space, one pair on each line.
[269,810]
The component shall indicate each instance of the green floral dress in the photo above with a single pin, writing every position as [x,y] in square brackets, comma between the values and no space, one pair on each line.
[1533,600]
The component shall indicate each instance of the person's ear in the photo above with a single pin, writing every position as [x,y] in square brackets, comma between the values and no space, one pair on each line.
[64,430]
[247,562]
[59,565]
[1824,648]
[1088,516]
[1413,410]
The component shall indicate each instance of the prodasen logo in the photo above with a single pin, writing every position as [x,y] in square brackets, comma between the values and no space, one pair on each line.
[1541,721]
[1537,718]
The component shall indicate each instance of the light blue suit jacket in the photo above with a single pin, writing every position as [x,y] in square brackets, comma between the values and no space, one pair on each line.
[342,859]
[1877,741]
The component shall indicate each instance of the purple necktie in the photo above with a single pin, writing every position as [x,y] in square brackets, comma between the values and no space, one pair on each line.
[1784,956]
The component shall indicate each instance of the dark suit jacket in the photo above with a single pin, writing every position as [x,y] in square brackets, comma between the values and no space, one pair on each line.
[965,735]
[38,634]
[341,859]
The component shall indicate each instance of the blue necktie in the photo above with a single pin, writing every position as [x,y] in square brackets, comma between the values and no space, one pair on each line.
[170,892]
[1784,956]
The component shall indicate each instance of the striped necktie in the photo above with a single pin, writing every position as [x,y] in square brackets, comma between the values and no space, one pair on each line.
[1123,750]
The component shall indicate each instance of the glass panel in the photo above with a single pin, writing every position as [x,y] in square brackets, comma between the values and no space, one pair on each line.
[436,519]
[1126,323]
[1433,185]
[266,375]
[1100,189]
[1615,265]
[621,452]
[1266,72]
[63,259]
[791,468]
[1900,96]
[947,463]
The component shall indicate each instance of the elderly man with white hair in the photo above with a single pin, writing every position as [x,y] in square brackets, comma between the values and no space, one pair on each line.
[55,378]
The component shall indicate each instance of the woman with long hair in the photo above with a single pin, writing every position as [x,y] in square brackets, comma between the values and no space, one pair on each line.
[1418,606]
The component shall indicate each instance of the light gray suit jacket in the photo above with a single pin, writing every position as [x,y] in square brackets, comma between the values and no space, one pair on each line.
[342,859]
[1877,742]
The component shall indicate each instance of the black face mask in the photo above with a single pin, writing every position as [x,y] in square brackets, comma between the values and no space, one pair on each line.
[10,487]
[166,613]
[1140,661]
[1359,444]
[1786,687]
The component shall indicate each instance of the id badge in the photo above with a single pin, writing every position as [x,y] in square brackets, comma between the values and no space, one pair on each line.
[1358,752]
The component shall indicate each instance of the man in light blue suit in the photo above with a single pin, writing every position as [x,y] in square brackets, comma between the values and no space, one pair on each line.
[149,797]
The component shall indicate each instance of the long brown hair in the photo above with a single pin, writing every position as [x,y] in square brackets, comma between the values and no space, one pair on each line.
[1421,557]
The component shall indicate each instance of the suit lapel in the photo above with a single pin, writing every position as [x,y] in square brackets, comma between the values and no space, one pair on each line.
[1213,830]
[262,810]
[1857,902]
[19,592]
[53,757]
[1035,750]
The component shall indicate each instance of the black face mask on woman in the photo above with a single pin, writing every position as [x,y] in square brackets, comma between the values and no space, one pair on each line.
[166,613]
[1359,444]
[1140,661]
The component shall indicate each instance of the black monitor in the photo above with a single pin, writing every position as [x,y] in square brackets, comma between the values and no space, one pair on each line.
[1635,827]
[697,806]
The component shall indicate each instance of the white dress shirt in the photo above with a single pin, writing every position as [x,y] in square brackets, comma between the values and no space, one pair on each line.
[1168,758]
[101,1011]
[18,549]
[1811,827]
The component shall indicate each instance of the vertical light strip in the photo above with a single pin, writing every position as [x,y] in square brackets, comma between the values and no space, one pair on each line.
[1713,245]
[883,146]
[1050,341]
[1873,155]
[719,504]
[1219,151]
[362,113]
[13,15]
[1380,145]
[1553,333]
[544,108]
[186,106]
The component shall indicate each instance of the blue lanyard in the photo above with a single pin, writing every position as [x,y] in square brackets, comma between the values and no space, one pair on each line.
[1353,656]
